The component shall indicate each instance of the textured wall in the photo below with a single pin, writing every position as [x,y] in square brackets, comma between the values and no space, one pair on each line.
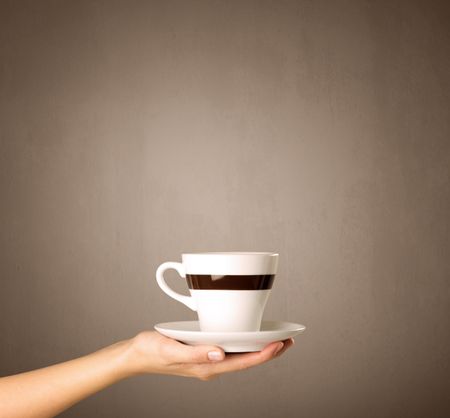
[133,131]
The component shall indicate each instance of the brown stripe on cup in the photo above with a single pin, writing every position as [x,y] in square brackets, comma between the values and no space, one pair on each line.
[229,282]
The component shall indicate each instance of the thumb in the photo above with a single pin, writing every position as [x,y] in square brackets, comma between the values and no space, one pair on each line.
[201,354]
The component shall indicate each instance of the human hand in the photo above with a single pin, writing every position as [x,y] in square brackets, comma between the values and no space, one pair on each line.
[151,352]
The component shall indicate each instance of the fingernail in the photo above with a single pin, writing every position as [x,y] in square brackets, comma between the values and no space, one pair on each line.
[215,355]
[278,349]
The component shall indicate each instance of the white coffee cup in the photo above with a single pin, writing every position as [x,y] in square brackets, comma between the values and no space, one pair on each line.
[229,290]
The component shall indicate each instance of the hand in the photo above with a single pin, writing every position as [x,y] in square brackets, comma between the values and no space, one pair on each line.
[151,352]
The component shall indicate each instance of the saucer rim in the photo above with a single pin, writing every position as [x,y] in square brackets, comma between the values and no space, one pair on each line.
[298,328]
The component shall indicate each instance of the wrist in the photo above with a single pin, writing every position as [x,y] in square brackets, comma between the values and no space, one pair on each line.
[141,354]
[121,359]
[131,359]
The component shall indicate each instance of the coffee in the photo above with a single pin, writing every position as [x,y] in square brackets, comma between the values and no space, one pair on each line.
[230,282]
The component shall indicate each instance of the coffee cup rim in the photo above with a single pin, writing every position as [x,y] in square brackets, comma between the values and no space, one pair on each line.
[230,263]
[228,253]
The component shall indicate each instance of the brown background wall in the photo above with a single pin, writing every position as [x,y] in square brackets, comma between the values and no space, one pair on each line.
[133,131]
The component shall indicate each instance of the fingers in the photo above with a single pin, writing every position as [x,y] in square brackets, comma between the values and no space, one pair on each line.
[287,344]
[244,361]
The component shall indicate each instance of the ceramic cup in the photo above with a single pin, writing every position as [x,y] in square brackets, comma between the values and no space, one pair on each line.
[229,290]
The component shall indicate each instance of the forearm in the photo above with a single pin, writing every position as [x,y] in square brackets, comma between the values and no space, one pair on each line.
[46,392]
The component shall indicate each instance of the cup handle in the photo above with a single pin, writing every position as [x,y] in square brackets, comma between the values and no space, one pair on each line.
[186,300]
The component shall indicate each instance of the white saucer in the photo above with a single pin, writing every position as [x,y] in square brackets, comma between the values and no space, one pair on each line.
[232,342]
